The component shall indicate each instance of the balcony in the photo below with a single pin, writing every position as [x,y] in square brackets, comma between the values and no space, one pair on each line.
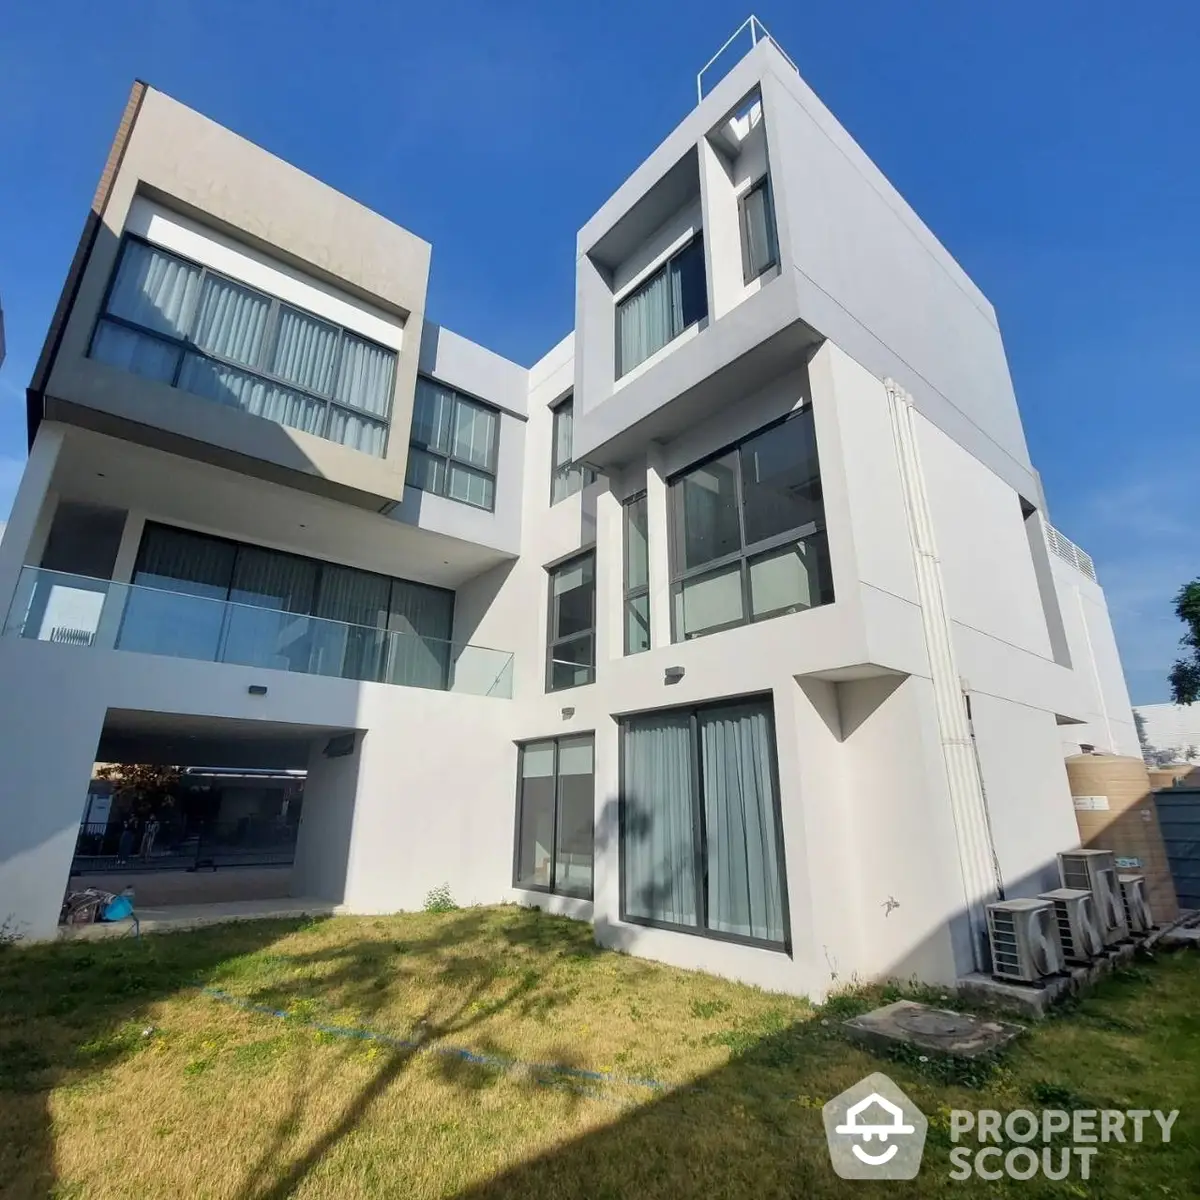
[50,606]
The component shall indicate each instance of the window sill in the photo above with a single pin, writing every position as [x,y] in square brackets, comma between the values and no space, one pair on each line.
[692,331]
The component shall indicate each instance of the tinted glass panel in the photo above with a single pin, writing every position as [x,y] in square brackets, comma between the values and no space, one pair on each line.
[689,286]
[573,852]
[637,624]
[573,597]
[572,662]
[781,481]
[709,601]
[535,835]
[705,504]
[637,558]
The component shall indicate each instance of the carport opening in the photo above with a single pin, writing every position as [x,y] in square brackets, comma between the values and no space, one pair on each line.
[188,812]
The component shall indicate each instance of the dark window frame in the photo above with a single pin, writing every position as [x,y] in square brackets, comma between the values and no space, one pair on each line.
[746,552]
[550,889]
[572,468]
[320,564]
[701,929]
[634,593]
[448,457]
[186,345]
[551,641]
[648,282]
[762,184]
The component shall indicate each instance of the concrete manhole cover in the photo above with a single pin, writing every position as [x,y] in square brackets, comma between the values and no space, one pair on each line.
[912,1024]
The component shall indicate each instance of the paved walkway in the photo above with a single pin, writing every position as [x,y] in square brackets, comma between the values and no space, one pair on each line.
[175,917]
[155,889]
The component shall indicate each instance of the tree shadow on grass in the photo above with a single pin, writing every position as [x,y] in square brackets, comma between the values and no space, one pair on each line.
[70,1010]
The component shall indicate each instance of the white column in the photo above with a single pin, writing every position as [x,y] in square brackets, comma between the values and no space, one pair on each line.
[657,527]
[610,643]
[32,511]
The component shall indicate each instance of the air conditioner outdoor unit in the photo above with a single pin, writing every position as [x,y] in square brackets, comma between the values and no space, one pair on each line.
[1095,871]
[1137,910]
[1078,929]
[1024,937]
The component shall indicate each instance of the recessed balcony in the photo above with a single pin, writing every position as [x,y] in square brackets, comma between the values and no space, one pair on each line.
[52,606]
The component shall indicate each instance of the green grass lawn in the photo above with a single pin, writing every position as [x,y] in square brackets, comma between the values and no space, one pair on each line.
[512,1058]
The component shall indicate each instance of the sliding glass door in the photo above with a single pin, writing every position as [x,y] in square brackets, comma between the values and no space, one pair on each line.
[701,835]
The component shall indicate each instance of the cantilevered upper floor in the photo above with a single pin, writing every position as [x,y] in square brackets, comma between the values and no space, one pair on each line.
[755,230]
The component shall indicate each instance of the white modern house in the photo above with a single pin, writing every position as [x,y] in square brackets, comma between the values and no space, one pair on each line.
[734,625]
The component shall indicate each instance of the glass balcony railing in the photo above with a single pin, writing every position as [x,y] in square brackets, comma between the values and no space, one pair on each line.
[50,606]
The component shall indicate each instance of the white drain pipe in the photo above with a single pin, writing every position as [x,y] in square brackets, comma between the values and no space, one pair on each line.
[976,856]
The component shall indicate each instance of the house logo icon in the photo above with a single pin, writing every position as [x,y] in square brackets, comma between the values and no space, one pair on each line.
[875,1131]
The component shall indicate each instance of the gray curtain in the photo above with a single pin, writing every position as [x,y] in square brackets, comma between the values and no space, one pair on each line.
[644,320]
[353,636]
[657,829]
[227,385]
[177,606]
[744,894]
[421,621]
[267,625]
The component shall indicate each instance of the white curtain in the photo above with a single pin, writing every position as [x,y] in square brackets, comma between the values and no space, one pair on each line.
[135,352]
[357,432]
[232,321]
[154,289]
[305,350]
[657,828]
[365,376]
[744,892]
[644,320]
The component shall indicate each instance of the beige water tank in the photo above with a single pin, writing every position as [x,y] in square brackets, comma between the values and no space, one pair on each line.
[1115,810]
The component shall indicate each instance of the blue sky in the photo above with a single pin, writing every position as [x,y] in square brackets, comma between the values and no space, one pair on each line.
[1051,147]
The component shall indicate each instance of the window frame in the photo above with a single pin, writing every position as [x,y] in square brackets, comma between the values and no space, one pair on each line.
[320,566]
[552,642]
[763,184]
[519,814]
[634,593]
[647,282]
[745,553]
[186,345]
[493,468]
[700,929]
[566,470]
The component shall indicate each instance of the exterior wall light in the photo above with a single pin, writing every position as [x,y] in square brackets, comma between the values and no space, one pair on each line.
[672,675]
[257,689]
[568,713]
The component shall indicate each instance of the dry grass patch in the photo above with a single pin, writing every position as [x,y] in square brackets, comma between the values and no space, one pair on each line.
[121,1076]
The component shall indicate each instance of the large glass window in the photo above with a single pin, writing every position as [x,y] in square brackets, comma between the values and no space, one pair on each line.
[701,833]
[571,656]
[659,310]
[566,475]
[453,446]
[637,576]
[757,214]
[555,806]
[182,324]
[203,597]
[749,532]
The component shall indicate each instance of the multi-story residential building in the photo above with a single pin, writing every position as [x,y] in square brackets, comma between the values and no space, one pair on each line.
[731,625]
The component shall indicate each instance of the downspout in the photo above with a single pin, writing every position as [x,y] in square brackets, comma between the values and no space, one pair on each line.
[976,856]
